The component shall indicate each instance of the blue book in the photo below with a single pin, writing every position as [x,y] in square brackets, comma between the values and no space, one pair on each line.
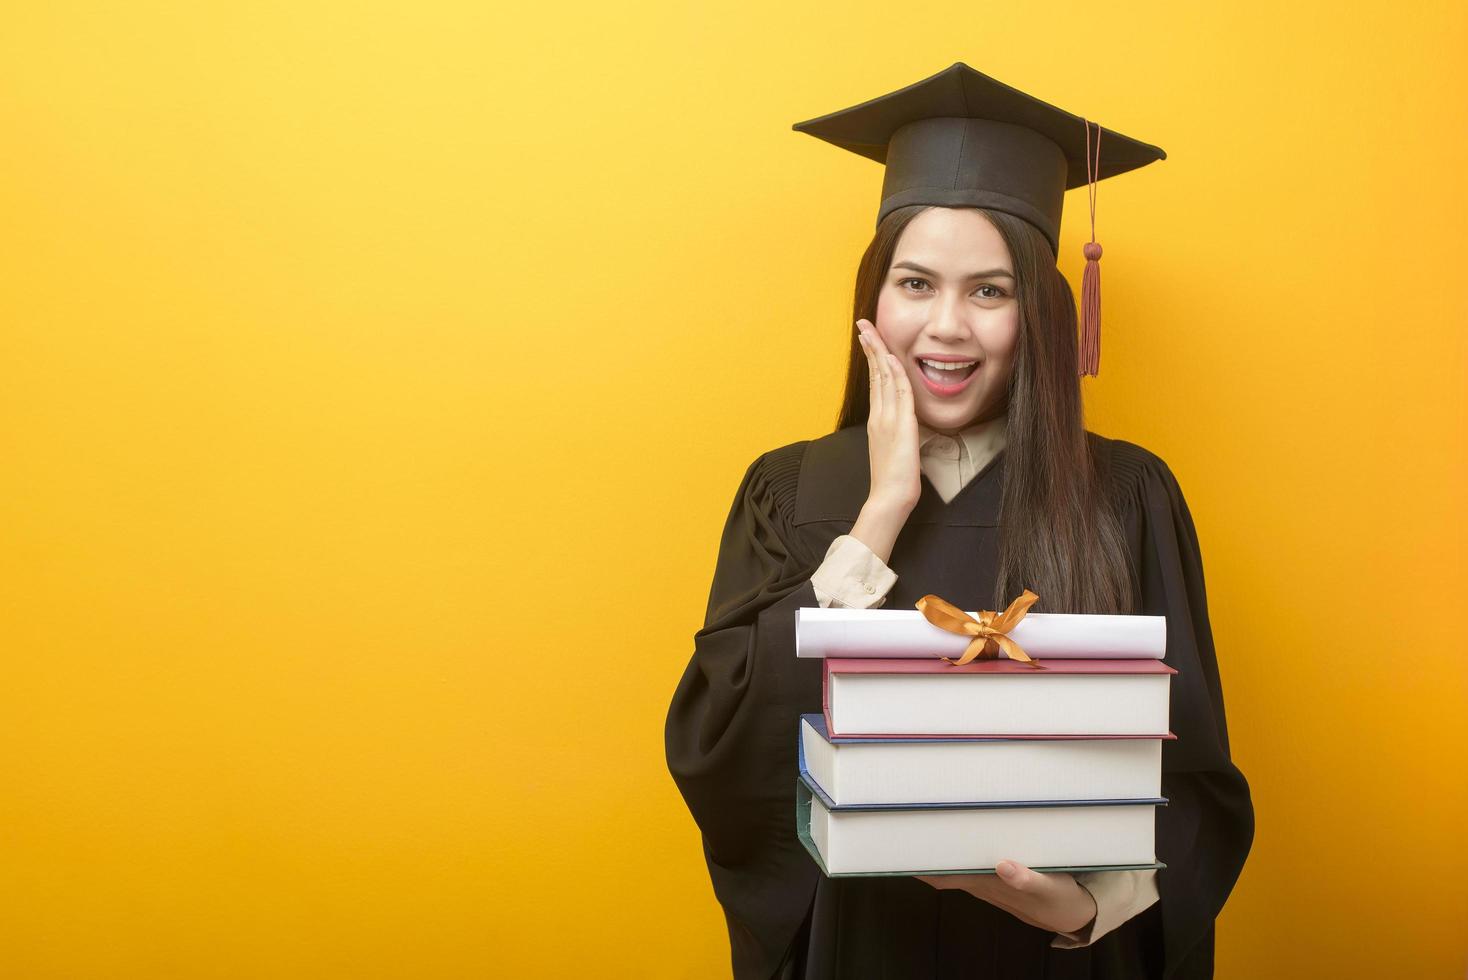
[958,770]
[962,836]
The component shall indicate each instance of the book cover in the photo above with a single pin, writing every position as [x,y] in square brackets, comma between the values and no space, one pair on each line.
[956,770]
[931,698]
[815,838]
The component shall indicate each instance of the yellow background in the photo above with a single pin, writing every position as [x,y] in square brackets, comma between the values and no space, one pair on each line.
[377,377]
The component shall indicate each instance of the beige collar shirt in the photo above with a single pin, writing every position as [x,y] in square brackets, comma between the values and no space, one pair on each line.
[852,576]
[950,462]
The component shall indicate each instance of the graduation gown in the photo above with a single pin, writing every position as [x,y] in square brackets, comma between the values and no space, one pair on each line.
[731,730]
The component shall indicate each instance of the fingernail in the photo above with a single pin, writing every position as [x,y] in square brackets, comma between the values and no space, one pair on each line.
[1005,868]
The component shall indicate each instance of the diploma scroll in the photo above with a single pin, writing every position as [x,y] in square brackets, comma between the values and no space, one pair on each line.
[907,633]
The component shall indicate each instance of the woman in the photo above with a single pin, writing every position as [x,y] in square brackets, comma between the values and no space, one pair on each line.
[973,489]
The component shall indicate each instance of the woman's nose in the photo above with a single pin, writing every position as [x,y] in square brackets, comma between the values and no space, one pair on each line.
[948,321]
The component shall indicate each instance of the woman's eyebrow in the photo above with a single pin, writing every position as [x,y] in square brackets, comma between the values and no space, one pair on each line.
[986,274]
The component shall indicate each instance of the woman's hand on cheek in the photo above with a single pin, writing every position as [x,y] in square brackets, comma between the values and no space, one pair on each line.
[892,433]
[1053,901]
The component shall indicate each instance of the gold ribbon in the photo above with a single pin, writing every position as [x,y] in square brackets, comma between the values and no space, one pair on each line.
[989,630]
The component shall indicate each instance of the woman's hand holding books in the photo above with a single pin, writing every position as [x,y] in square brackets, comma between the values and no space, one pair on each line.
[1053,901]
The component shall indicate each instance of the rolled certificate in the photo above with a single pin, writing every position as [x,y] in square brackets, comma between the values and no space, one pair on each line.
[907,633]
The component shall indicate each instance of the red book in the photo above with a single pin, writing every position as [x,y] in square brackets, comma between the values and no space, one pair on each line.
[998,698]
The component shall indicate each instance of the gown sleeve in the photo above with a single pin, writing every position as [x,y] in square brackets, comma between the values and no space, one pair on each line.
[1207,827]
[731,730]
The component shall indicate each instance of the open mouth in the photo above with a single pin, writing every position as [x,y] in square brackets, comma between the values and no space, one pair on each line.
[946,377]
[946,381]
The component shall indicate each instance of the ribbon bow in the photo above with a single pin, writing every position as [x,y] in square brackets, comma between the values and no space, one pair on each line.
[988,630]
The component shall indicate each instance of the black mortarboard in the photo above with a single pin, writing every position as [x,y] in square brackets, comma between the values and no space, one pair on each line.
[962,139]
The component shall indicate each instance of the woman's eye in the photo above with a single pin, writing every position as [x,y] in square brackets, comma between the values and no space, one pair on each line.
[995,291]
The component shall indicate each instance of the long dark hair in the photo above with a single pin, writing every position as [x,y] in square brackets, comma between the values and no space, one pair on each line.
[1059,533]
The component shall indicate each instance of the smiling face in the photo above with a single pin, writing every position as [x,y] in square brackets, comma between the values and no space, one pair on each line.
[949,295]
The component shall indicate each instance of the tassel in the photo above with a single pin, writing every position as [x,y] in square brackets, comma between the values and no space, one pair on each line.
[1091,311]
[1090,346]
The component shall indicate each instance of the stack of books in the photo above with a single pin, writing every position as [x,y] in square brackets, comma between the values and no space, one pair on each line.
[921,766]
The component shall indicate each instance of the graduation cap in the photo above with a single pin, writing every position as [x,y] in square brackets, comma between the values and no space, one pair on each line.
[962,139]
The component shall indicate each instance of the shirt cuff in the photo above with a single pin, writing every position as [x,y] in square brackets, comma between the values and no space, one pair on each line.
[1119,896]
[852,576]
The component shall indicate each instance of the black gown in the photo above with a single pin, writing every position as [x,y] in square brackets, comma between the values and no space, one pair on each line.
[731,733]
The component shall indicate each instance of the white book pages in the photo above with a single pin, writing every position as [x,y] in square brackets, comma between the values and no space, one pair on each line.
[1000,771]
[906,633]
[998,704]
[918,841]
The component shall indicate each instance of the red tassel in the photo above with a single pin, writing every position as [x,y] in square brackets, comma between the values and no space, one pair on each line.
[1091,311]
[1090,349]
